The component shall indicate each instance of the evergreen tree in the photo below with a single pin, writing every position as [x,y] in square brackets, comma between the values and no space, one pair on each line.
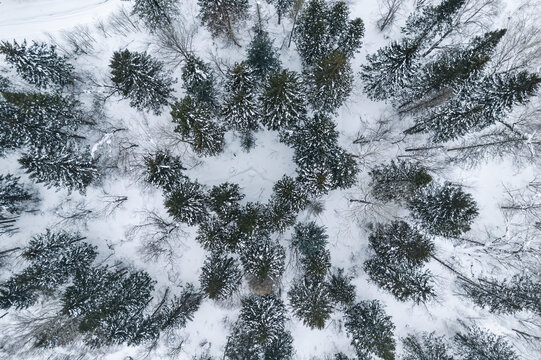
[141,79]
[324,28]
[222,16]
[215,234]
[425,347]
[283,101]
[241,106]
[444,210]
[187,203]
[155,14]
[398,181]
[220,277]
[224,200]
[61,167]
[54,258]
[479,344]
[311,301]
[520,292]
[289,193]
[198,80]
[164,170]
[371,330]
[39,63]
[341,290]
[282,7]
[13,195]
[252,221]
[196,126]
[263,260]
[262,56]
[329,82]
[308,238]
[5,84]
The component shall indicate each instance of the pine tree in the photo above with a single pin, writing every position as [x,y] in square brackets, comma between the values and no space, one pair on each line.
[263,260]
[187,203]
[164,170]
[141,79]
[329,82]
[479,344]
[155,14]
[39,63]
[283,101]
[322,29]
[198,80]
[54,258]
[311,301]
[241,107]
[519,293]
[371,330]
[425,347]
[222,16]
[13,195]
[341,290]
[398,181]
[220,277]
[197,127]
[261,54]
[61,167]
[224,200]
[444,210]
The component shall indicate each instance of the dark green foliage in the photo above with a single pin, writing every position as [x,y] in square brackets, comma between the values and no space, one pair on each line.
[198,80]
[341,290]
[289,193]
[54,258]
[178,310]
[323,28]
[425,347]
[13,195]
[398,181]
[252,220]
[215,234]
[329,82]
[220,277]
[282,7]
[371,330]
[224,200]
[480,344]
[241,107]
[197,127]
[141,79]
[396,266]
[5,84]
[283,101]
[309,238]
[187,203]
[263,259]
[221,16]
[444,210]
[317,264]
[340,356]
[38,120]
[262,56]
[39,64]
[164,170]
[520,292]
[155,14]
[311,301]
[61,167]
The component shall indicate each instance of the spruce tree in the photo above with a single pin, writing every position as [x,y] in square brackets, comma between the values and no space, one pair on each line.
[289,194]
[155,14]
[198,80]
[197,127]
[164,170]
[263,261]
[187,203]
[13,195]
[283,101]
[261,54]
[282,7]
[341,290]
[425,347]
[324,28]
[371,330]
[215,234]
[141,79]
[444,210]
[329,82]
[224,200]
[54,258]
[480,344]
[39,63]
[308,238]
[60,167]
[398,181]
[220,277]
[311,301]
[222,16]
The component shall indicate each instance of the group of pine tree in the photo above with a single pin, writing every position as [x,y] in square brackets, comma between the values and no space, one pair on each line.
[448,91]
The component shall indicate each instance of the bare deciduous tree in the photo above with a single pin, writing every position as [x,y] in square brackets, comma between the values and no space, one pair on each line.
[388,10]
